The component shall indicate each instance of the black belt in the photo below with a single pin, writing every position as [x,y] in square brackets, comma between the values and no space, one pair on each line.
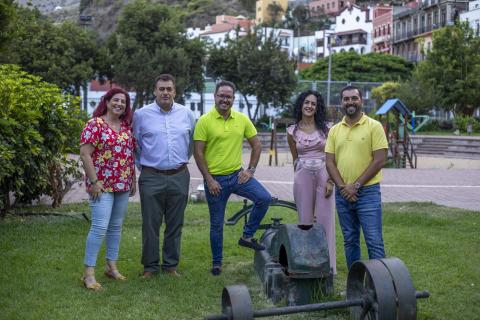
[168,172]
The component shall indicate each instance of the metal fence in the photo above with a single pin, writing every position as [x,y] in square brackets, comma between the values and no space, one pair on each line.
[369,104]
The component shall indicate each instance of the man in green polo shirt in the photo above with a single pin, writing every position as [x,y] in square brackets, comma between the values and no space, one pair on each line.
[356,151]
[218,142]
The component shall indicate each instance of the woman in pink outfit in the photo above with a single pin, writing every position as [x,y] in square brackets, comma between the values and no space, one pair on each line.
[312,188]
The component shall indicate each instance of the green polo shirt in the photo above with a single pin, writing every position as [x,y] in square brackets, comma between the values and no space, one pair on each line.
[223,140]
[353,147]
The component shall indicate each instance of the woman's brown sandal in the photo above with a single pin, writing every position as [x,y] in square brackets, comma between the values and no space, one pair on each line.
[114,274]
[90,283]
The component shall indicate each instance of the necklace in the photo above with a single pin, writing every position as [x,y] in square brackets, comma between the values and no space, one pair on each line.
[115,126]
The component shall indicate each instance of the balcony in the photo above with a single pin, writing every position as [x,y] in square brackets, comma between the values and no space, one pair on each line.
[380,39]
[402,36]
[347,42]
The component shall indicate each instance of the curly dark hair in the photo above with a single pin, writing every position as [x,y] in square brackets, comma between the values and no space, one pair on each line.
[320,114]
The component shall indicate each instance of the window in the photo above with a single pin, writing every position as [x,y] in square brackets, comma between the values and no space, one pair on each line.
[341,4]
[388,29]
[328,6]
[357,19]
[343,21]
[333,5]
[383,30]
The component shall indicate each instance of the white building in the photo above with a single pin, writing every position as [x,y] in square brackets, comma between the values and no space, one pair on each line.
[224,27]
[193,101]
[352,31]
[283,36]
[472,16]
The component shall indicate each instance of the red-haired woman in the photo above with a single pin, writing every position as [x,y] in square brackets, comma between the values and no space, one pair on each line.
[106,150]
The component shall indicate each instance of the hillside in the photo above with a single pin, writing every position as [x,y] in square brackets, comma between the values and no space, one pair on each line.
[104,13]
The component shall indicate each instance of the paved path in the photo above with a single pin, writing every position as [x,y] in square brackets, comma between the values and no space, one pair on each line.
[450,187]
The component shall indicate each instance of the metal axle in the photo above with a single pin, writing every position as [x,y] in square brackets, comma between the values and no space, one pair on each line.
[312,307]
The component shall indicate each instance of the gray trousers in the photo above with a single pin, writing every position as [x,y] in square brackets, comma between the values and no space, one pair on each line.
[162,196]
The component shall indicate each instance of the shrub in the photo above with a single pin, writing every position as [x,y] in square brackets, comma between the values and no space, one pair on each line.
[461,123]
[38,126]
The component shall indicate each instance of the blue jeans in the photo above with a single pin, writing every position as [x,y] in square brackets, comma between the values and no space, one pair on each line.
[252,190]
[107,217]
[366,213]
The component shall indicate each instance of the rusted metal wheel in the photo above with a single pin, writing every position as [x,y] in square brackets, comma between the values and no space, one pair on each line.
[236,303]
[404,289]
[371,281]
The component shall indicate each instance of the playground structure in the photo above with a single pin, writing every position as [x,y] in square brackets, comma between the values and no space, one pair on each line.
[401,150]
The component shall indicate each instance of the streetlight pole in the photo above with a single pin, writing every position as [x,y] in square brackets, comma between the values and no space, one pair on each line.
[329,45]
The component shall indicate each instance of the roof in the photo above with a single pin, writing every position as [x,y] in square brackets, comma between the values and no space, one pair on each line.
[226,27]
[395,104]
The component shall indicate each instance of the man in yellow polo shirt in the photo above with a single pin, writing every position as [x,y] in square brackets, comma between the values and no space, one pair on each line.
[218,142]
[356,151]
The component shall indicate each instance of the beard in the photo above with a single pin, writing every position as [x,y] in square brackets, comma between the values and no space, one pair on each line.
[352,110]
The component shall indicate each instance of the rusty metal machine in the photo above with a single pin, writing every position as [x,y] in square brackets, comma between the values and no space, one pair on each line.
[377,289]
[295,267]
[295,270]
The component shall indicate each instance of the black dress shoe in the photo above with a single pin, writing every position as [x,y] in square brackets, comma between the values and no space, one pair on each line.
[216,270]
[252,244]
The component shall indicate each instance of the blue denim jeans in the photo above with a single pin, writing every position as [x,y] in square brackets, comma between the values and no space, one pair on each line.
[108,212]
[251,190]
[366,213]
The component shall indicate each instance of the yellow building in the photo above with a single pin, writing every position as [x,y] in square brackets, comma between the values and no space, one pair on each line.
[262,13]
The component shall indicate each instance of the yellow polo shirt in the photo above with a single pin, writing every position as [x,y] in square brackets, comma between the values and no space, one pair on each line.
[223,140]
[353,147]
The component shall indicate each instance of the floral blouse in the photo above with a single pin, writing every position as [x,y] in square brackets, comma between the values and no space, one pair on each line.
[113,155]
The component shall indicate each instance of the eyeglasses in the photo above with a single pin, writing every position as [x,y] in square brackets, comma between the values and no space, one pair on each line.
[354,98]
[224,97]
[168,89]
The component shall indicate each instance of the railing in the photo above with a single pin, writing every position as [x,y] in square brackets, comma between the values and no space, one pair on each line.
[349,42]
[379,39]
[416,31]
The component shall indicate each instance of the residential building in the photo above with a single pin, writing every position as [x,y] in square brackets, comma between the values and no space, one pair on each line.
[353,30]
[472,16]
[382,28]
[262,14]
[284,37]
[224,27]
[412,29]
[329,7]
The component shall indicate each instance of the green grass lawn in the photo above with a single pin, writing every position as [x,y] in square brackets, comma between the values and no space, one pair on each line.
[41,264]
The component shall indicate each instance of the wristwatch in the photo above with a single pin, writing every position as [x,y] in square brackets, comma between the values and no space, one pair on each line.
[357,185]
[252,169]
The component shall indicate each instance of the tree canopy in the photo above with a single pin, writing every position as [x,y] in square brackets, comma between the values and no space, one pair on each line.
[257,66]
[150,40]
[351,66]
[63,54]
[452,68]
